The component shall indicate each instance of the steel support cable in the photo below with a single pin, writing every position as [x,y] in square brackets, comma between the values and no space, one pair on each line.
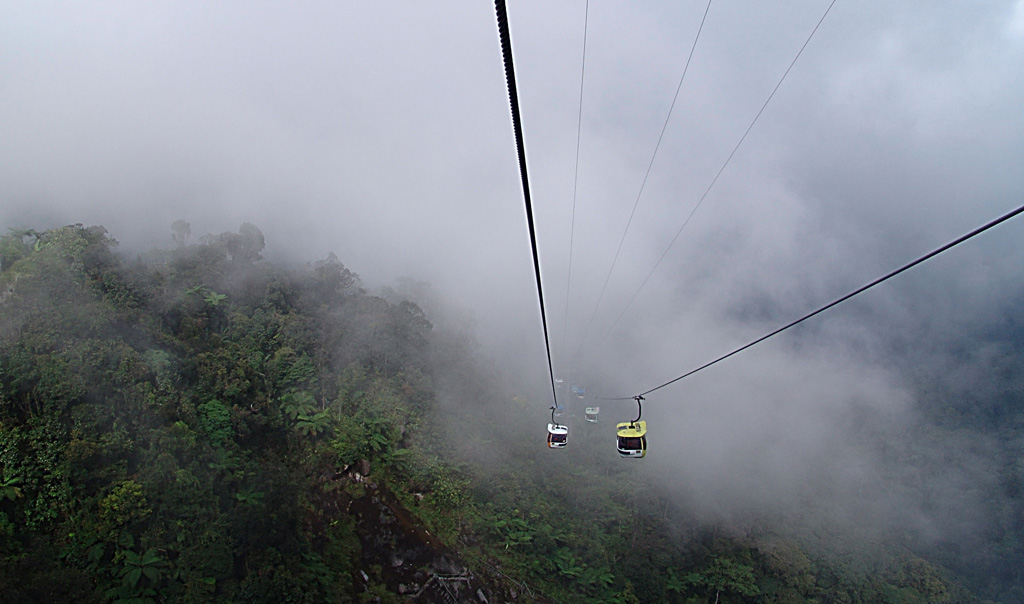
[513,98]
[715,179]
[643,184]
[836,302]
[575,180]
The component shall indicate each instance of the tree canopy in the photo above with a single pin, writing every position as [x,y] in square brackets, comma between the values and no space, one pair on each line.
[197,425]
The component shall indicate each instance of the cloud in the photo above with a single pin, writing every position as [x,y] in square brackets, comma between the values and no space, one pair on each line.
[382,133]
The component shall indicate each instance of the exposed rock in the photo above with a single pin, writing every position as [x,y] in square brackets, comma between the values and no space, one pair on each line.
[411,561]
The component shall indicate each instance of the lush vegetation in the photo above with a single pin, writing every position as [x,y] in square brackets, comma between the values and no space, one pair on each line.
[184,427]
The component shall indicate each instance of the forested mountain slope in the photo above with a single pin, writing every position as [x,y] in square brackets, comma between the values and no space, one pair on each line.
[197,425]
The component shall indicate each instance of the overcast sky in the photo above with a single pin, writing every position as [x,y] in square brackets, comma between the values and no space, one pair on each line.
[381,131]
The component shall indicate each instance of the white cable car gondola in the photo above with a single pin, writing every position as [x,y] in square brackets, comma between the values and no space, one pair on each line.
[590,414]
[558,435]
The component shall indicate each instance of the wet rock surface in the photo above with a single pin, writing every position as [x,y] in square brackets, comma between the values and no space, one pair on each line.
[410,560]
[400,553]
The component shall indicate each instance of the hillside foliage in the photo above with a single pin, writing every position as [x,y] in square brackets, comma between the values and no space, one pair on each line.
[173,428]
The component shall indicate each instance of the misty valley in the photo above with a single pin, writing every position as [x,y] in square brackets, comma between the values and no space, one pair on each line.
[196,424]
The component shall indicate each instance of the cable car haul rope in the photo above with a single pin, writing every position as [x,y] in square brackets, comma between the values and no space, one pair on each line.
[631,439]
[517,126]
[558,434]
[838,301]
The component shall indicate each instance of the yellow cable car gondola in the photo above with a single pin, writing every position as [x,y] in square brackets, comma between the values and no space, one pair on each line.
[631,437]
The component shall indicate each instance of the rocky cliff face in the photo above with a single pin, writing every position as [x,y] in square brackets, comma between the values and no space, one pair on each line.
[400,553]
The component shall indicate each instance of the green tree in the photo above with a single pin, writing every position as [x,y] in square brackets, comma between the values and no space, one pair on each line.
[312,424]
[132,588]
[9,488]
[13,246]
[125,504]
[180,232]
[215,420]
[725,576]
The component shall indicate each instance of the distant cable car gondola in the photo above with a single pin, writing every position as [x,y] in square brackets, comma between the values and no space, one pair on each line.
[558,435]
[631,437]
[590,414]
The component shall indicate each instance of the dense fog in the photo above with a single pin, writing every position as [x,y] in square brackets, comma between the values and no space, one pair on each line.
[382,133]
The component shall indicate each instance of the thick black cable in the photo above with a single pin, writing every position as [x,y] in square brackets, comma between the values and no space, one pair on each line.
[575,179]
[715,179]
[836,302]
[513,98]
[643,184]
